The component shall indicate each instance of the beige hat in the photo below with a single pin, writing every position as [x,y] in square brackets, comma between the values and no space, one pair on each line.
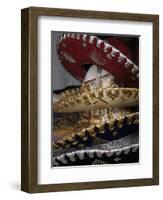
[88,97]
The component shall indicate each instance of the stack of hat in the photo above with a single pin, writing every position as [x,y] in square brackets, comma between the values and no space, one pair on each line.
[97,122]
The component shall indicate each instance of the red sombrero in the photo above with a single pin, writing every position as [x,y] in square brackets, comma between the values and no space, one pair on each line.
[113,55]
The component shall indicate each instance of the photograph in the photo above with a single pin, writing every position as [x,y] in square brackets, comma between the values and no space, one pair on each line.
[95,99]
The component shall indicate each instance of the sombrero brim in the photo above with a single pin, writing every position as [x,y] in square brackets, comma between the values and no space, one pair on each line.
[117,151]
[74,50]
[108,129]
[79,100]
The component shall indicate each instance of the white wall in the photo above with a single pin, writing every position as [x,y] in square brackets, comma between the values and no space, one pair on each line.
[10,97]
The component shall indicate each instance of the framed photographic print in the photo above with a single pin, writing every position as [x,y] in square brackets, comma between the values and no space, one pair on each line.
[90,100]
